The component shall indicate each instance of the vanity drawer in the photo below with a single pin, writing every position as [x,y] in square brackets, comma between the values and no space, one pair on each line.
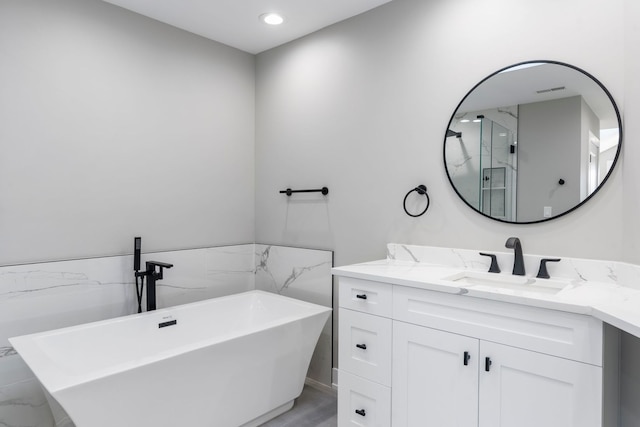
[366,296]
[572,336]
[362,403]
[365,345]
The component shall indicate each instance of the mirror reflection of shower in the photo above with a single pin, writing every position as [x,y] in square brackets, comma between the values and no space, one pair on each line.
[483,164]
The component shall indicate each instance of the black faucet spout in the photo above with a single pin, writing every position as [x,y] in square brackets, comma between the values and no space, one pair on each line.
[154,275]
[518,260]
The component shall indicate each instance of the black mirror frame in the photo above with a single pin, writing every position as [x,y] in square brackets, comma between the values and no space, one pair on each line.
[606,178]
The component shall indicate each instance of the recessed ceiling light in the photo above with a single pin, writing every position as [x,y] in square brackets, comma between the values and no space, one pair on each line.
[464,121]
[272,18]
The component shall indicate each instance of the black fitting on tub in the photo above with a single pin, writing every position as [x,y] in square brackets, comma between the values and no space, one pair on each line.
[152,276]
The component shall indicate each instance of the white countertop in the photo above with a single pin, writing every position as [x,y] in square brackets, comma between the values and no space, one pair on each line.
[612,303]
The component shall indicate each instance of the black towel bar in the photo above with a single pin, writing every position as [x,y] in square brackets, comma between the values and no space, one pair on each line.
[289,192]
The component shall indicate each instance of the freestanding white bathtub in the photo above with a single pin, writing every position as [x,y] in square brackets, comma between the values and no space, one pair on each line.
[232,361]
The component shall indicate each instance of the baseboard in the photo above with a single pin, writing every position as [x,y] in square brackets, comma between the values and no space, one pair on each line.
[320,386]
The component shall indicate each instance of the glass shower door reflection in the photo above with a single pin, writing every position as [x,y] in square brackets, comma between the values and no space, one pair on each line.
[493,192]
[498,171]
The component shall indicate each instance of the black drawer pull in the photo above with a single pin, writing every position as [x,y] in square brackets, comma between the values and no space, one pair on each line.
[487,364]
[362,346]
[466,358]
[361,412]
[362,296]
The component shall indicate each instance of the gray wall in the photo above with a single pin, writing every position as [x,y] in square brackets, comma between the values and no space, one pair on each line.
[114,125]
[631,145]
[544,128]
[363,106]
[630,369]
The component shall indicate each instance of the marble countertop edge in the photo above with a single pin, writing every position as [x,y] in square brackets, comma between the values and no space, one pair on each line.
[614,304]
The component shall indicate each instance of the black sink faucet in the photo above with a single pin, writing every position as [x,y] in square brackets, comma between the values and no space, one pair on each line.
[518,261]
[152,276]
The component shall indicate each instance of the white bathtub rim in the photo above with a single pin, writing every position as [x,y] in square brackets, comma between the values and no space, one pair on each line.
[55,381]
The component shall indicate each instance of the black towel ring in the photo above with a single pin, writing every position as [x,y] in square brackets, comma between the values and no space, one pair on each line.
[420,189]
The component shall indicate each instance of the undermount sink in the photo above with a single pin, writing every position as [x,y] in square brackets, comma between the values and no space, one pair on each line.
[504,281]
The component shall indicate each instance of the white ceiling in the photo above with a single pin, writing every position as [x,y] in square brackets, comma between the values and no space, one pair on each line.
[236,22]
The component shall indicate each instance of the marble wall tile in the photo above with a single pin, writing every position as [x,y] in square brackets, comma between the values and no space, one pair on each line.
[24,404]
[200,274]
[304,274]
[461,258]
[52,295]
[13,370]
[295,272]
[628,275]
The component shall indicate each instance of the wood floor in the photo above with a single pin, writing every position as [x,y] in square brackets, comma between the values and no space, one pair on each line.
[314,408]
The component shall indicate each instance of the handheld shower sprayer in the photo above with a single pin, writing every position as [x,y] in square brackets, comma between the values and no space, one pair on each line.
[137,247]
[153,273]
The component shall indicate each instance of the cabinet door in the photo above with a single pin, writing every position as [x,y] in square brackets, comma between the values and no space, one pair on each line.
[523,388]
[432,385]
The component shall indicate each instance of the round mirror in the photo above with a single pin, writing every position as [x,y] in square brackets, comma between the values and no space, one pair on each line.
[532,142]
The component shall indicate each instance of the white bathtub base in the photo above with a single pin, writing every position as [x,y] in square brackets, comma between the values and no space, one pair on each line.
[235,361]
[270,415]
[62,419]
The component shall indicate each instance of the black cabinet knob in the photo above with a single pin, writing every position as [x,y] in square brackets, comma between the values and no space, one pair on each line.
[362,296]
[361,412]
[362,346]
[487,364]
[466,358]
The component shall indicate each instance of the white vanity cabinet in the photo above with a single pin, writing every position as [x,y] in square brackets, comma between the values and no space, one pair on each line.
[451,360]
